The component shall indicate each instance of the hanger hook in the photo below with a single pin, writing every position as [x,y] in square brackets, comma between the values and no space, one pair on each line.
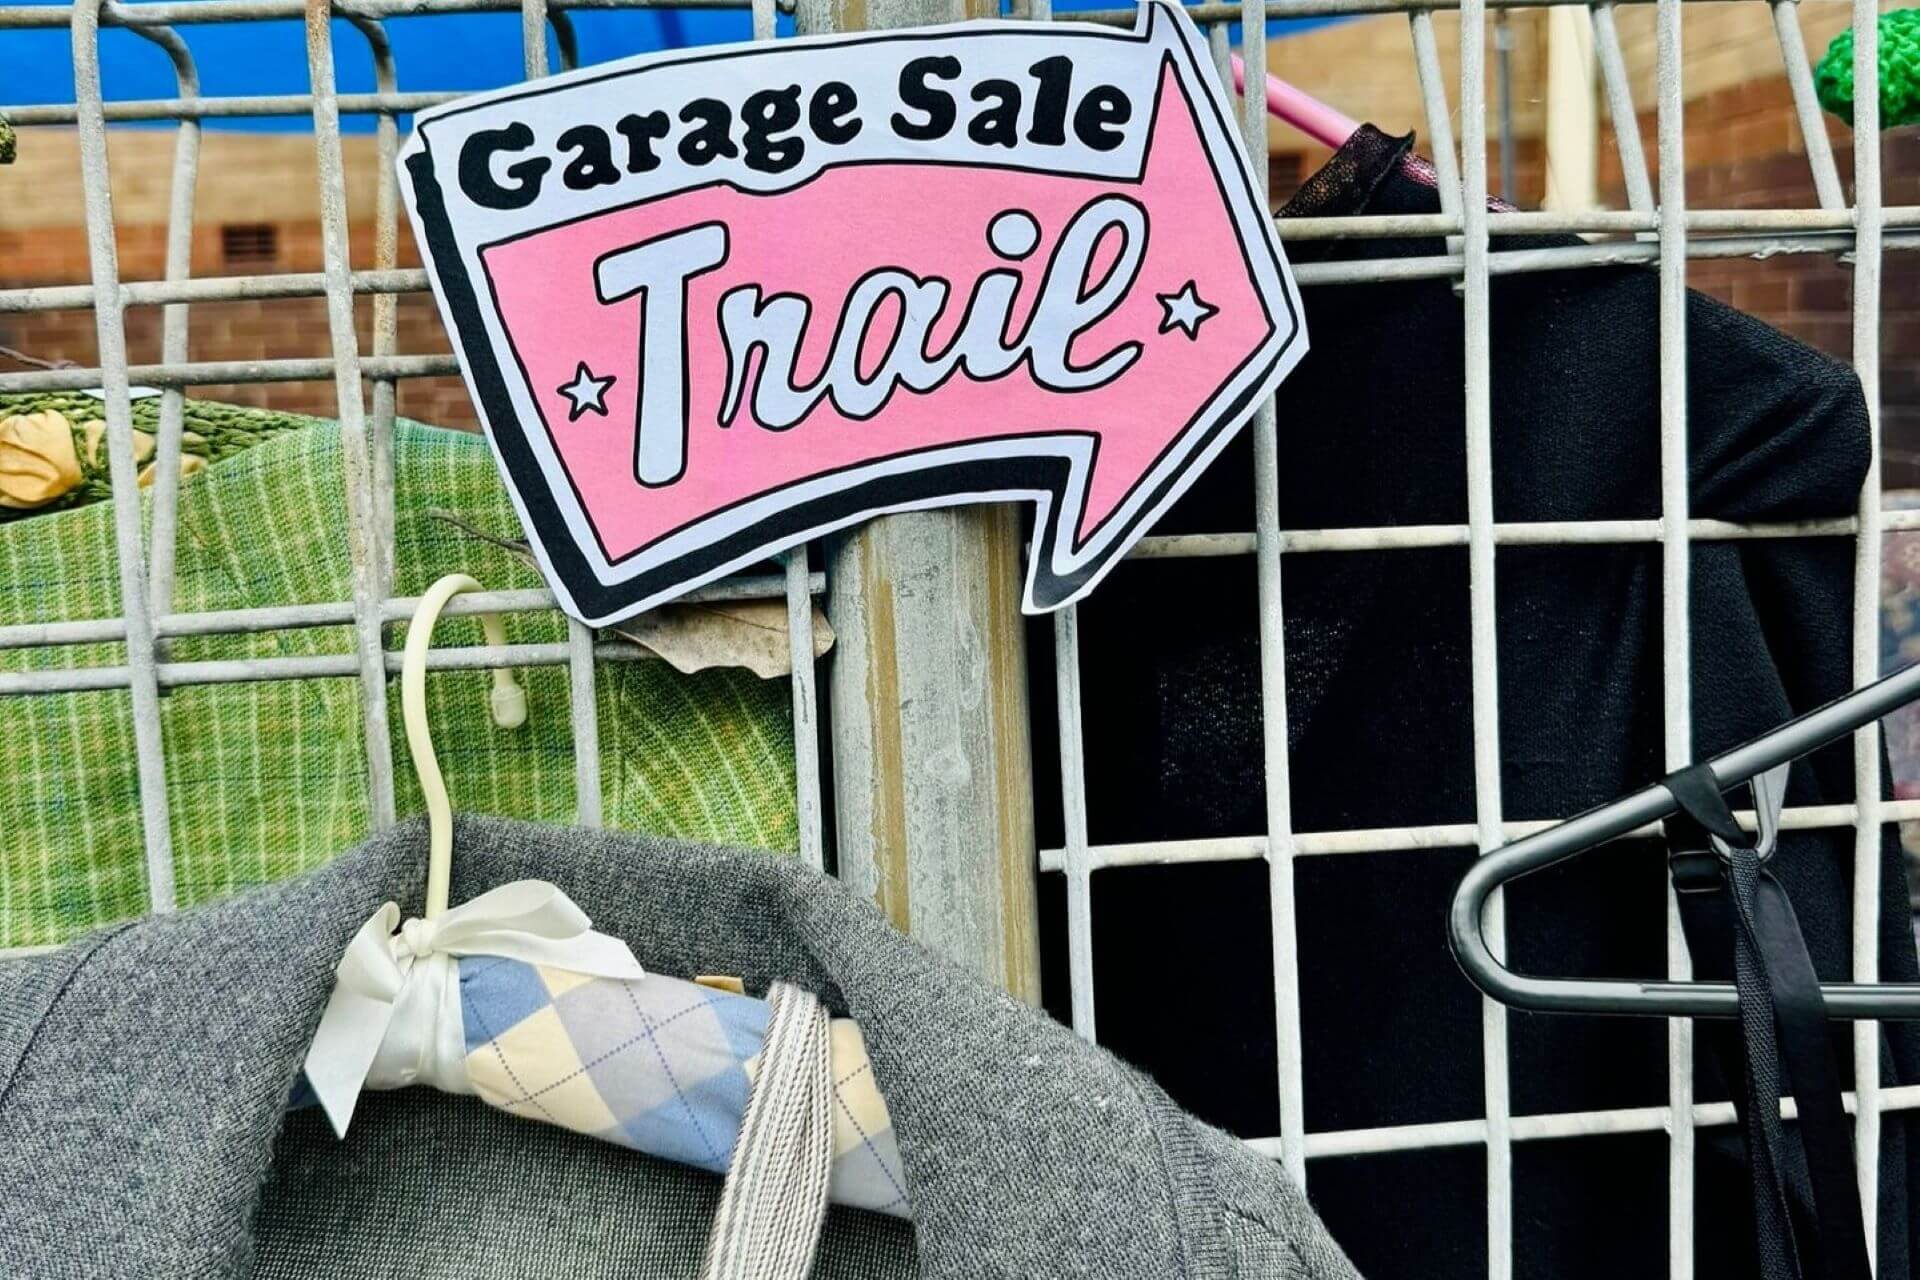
[509,708]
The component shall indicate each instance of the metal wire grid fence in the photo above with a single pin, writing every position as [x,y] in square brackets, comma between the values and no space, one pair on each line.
[1665,234]
[146,579]
[1668,234]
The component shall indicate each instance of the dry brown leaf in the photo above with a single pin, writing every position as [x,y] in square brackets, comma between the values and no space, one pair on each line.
[724,633]
[697,635]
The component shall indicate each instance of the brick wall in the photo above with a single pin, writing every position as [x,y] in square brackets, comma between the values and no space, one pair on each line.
[1752,155]
[248,182]
[277,328]
[1746,152]
[1743,138]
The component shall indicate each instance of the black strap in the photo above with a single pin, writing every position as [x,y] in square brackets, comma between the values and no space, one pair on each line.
[1700,878]
[1801,1013]
[1781,1012]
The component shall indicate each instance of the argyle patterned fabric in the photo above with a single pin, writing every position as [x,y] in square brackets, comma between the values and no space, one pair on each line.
[268,779]
[659,1065]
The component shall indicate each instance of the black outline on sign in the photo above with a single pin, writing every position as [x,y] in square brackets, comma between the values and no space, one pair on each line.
[578,408]
[1042,471]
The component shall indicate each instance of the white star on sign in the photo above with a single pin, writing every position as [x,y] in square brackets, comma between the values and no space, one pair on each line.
[586,392]
[1185,310]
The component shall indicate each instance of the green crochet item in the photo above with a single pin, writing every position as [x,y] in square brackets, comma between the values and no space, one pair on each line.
[1899,71]
[210,430]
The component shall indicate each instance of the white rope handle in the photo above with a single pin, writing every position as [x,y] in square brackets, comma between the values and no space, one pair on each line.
[774,1203]
[508,704]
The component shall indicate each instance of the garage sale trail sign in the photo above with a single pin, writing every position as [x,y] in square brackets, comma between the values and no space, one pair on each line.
[714,302]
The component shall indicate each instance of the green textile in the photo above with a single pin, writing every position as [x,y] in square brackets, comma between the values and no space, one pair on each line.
[1899,71]
[267,779]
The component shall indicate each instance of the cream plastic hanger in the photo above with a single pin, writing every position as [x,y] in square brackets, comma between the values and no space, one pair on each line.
[393,1019]
[508,703]
[395,1016]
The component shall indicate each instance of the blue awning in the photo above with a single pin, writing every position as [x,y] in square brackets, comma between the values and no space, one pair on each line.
[458,51]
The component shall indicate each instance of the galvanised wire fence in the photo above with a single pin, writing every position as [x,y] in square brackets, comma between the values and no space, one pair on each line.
[1664,234]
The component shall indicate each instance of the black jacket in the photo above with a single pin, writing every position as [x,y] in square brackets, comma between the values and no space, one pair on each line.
[1372,432]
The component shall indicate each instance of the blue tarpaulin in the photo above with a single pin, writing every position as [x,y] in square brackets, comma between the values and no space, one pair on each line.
[459,51]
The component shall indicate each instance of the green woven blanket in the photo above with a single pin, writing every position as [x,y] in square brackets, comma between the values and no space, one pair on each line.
[268,779]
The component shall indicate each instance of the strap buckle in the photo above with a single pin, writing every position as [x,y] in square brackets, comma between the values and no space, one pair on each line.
[1702,837]
[1697,870]
[1698,860]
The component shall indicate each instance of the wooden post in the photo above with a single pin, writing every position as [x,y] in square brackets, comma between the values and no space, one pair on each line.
[927,688]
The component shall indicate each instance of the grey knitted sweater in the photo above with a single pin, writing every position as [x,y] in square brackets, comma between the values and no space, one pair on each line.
[144,1074]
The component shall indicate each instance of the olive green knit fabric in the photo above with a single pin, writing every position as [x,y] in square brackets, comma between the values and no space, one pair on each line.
[266,779]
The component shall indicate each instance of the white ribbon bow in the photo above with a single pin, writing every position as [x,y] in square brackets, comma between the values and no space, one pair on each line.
[394,1016]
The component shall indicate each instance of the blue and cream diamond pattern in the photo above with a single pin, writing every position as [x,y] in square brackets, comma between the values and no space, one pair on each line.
[659,1065]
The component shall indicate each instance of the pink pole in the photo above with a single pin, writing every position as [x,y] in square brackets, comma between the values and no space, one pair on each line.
[1301,110]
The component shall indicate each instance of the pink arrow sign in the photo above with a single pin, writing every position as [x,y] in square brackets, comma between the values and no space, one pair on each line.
[714,303]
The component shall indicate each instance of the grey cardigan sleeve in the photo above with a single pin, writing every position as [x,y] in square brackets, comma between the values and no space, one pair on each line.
[29,986]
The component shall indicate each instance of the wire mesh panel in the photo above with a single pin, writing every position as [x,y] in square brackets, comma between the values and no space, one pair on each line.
[1667,234]
[367,366]
[146,555]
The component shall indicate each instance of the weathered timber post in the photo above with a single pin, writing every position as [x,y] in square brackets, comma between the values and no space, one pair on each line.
[927,688]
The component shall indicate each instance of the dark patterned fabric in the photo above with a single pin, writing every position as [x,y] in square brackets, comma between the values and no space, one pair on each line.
[1372,432]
